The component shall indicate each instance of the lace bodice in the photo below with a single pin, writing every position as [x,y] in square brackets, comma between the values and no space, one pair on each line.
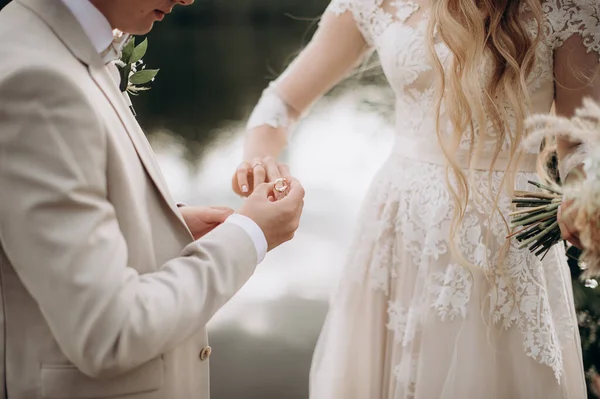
[397,30]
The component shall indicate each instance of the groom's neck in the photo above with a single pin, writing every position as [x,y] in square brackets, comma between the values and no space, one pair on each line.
[131,16]
[105,9]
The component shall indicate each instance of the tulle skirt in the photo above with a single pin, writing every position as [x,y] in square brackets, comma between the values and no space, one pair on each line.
[410,321]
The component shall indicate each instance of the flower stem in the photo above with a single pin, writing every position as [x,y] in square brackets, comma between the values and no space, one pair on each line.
[547,230]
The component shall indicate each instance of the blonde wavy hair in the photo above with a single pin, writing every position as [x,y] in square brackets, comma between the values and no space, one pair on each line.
[484,105]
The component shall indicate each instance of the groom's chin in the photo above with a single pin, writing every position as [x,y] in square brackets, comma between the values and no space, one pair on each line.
[139,26]
[139,29]
[145,29]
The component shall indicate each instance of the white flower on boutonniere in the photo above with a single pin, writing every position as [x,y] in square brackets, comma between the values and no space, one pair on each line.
[134,75]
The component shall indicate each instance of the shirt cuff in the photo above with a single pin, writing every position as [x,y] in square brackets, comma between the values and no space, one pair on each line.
[255,233]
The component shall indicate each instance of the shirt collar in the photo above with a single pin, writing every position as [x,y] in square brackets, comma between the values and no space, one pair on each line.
[93,22]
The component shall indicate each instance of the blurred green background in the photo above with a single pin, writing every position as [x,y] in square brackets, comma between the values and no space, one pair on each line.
[215,57]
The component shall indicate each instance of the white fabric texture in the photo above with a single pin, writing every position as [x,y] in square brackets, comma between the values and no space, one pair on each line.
[407,321]
[255,233]
[93,22]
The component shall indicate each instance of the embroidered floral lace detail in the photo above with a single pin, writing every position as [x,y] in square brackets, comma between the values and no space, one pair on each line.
[370,17]
[406,224]
[565,18]
[397,319]
[406,374]
[452,291]
[405,9]
[271,110]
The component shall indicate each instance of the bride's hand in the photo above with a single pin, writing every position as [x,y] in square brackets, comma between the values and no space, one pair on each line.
[261,170]
[566,222]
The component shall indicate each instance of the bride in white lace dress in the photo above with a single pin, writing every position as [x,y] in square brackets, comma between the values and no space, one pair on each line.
[434,302]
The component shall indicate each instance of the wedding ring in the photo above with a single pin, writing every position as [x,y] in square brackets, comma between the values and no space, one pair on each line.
[281,185]
[258,164]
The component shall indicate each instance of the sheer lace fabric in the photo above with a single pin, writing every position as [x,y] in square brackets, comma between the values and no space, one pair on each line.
[407,321]
[271,110]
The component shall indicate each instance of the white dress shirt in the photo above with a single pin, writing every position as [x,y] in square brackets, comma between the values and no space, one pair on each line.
[93,22]
[99,31]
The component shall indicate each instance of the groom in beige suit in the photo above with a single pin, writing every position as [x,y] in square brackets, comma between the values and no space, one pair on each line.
[106,285]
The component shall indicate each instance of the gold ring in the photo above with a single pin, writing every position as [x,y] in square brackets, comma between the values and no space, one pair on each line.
[281,185]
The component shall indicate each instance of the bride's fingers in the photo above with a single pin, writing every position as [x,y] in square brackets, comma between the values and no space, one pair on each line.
[567,227]
[272,168]
[284,170]
[259,172]
[242,177]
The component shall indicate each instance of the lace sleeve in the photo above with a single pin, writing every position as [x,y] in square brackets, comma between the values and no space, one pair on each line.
[568,18]
[370,18]
[337,47]
[574,31]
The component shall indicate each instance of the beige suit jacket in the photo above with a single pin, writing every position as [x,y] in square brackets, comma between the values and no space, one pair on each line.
[104,292]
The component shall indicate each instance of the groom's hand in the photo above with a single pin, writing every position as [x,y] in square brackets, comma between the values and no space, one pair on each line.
[278,219]
[201,220]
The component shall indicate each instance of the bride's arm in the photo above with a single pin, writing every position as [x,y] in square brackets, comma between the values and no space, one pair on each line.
[336,48]
[571,89]
[577,76]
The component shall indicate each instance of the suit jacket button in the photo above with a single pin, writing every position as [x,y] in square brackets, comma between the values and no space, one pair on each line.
[205,353]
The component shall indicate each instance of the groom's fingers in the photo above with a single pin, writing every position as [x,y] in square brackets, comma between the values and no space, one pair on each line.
[221,213]
[567,226]
[284,171]
[264,190]
[214,215]
[295,192]
[223,208]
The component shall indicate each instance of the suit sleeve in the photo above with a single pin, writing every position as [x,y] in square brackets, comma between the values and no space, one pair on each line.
[62,237]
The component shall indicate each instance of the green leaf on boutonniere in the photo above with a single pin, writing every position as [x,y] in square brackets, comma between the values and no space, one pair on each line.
[132,69]
[139,52]
[128,51]
[143,77]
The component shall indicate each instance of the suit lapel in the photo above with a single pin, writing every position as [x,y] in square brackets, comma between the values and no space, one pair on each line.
[109,87]
[58,17]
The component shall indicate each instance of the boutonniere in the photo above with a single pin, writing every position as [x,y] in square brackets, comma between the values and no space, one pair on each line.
[134,75]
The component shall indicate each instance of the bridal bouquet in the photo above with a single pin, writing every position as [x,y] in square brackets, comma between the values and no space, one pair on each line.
[536,221]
